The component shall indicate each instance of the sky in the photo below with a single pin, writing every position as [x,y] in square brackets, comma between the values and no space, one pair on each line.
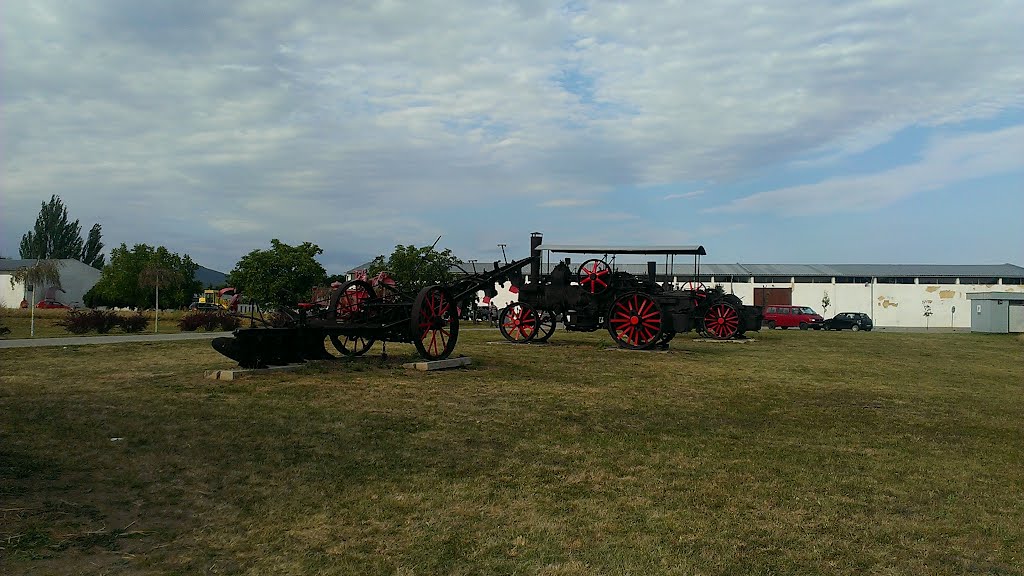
[790,131]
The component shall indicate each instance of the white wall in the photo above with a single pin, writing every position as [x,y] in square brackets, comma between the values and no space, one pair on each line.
[889,305]
[10,297]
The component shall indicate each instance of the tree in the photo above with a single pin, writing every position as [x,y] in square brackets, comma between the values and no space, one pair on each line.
[42,273]
[91,250]
[825,303]
[283,275]
[152,276]
[414,268]
[56,237]
[120,285]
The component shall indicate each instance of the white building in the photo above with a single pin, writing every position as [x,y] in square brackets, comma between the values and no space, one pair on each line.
[76,278]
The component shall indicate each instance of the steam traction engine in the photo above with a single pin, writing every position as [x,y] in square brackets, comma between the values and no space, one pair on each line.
[638,312]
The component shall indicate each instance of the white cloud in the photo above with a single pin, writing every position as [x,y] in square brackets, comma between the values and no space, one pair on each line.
[684,195]
[311,116]
[565,203]
[946,162]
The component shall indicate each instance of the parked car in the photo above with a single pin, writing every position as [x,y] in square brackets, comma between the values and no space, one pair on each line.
[849,321]
[44,304]
[784,317]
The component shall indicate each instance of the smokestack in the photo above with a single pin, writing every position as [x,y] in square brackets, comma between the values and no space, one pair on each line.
[535,241]
[652,270]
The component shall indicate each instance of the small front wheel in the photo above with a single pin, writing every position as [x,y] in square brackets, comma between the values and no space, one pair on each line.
[635,321]
[855,328]
[803,325]
[518,322]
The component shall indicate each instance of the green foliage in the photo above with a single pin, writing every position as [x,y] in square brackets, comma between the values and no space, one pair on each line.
[91,249]
[55,236]
[283,275]
[41,274]
[124,280]
[413,268]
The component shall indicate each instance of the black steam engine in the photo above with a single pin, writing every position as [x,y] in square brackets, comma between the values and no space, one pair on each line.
[638,312]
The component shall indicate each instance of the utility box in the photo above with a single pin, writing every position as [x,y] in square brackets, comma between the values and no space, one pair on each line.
[997,312]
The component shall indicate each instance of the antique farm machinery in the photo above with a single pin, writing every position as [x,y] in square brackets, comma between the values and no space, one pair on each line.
[638,312]
[360,312]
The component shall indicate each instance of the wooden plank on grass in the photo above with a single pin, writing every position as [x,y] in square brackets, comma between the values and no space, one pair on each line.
[237,373]
[440,364]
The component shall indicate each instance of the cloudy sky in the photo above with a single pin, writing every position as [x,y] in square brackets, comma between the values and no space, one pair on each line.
[790,131]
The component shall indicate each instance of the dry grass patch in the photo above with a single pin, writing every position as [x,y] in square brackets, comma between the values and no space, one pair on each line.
[801,453]
[47,323]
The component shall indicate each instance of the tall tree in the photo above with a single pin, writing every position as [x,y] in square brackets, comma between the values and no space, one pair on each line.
[91,250]
[55,236]
[283,275]
[416,267]
[119,283]
[42,273]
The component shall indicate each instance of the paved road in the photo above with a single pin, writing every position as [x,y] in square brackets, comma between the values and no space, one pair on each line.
[81,340]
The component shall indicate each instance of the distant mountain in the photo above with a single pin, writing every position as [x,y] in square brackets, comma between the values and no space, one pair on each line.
[210,278]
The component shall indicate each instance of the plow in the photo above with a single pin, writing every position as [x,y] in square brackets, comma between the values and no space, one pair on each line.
[638,312]
[358,313]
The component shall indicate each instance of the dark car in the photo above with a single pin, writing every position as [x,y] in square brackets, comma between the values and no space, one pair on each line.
[849,321]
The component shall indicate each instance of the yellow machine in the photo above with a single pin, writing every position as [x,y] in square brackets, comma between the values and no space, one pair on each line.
[216,299]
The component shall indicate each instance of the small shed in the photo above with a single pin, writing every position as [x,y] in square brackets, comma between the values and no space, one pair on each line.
[997,312]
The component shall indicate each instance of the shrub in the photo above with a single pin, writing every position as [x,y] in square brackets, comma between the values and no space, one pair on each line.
[136,322]
[209,320]
[82,321]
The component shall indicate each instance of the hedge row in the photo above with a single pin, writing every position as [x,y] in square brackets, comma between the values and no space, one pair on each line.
[102,321]
[209,320]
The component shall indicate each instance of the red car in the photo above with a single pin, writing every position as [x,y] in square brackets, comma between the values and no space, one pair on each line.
[784,317]
[43,304]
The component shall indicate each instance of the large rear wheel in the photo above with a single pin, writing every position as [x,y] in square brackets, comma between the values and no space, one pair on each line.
[635,321]
[434,325]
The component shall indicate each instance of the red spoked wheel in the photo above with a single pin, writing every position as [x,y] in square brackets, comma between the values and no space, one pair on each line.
[635,321]
[695,286]
[352,345]
[722,321]
[349,301]
[434,325]
[594,275]
[518,322]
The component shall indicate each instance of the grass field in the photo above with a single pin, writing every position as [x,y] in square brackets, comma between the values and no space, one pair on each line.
[799,453]
[47,323]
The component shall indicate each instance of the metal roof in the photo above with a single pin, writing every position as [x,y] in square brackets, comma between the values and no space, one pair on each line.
[1016,297]
[825,270]
[581,249]
[10,265]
